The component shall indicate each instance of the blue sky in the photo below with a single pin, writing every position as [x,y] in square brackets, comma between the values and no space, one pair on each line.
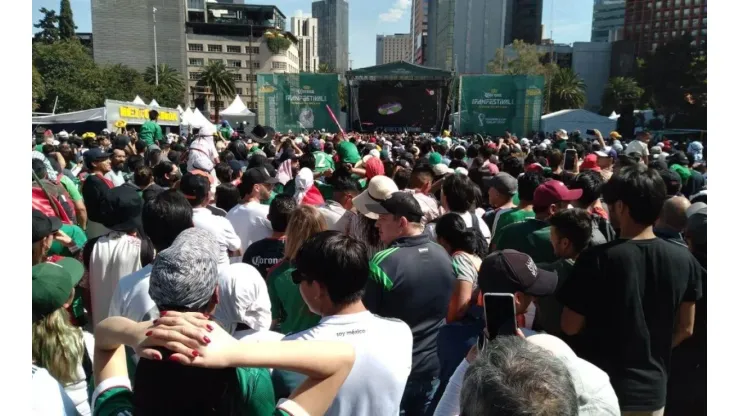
[571,20]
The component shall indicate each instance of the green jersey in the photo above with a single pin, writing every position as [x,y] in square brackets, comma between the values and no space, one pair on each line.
[347,152]
[150,132]
[288,307]
[531,237]
[323,162]
[512,216]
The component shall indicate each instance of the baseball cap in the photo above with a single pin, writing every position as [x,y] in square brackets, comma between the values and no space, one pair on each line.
[589,163]
[43,225]
[615,135]
[503,183]
[194,186]
[235,165]
[185,274]
[258,175]
[696,225]
[509,271]
[562,133]
[122,209]
[552,192]
[95,154]
[679,158]
[378,189]
[120,142]
[435,158]
[401,204]
[440,169]
[52,285]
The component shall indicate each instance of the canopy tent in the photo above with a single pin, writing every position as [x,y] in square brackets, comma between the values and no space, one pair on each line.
[138,100]
[186,116]
[84,116]
[198,120]
[237,113]
[154,103]
[577,119]
[613,115]
[179,109]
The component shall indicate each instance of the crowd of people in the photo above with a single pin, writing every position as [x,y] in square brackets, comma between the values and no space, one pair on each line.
[258,273]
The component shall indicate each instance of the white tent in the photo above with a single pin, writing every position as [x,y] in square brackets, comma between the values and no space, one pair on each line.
[154,103]
[186,116]
[237,112]
[138,100]
[179,109]
[83,116]
[613,115]
[577,119]
[198,120]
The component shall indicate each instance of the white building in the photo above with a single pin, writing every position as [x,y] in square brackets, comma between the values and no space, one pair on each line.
[307,32]
[393,48]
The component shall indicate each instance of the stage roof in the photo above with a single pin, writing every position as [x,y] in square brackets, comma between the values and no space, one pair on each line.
[400,70]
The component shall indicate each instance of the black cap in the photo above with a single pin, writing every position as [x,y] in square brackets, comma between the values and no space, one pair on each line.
[502,182]
[122,209]
[120,142]
[259,133]
[679,158]
[95,154]
[235,165]
[194,186]
[670,177]
[401,204]
[257,175]
[509,271]
[43,225]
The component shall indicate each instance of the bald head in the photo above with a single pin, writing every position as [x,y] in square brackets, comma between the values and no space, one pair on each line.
[673,214]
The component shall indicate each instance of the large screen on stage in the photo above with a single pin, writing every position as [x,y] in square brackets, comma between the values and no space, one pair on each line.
[397,106]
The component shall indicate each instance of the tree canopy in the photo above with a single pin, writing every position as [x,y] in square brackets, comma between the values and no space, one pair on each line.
[66,21]
[567,90]
[49,32]
[219,80]
[620,91]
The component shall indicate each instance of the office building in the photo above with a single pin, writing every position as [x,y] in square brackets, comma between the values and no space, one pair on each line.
[392,48]
[333,21]
[306,30]
[235,35]
[524,21]
[608,19]
[651,23]
[124,33]
[465,34]
[419,31]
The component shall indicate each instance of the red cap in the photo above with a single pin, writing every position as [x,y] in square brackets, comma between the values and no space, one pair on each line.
[666,145]
[534,167]
[552,192]
[589,163]
[373,140]
[492,145]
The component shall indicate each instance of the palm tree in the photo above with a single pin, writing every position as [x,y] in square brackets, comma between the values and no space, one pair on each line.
[168,77]
[567,90]
[618,92]
[324,69]
[218,80]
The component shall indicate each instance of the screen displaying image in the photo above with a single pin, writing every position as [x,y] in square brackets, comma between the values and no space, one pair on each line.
[392,106]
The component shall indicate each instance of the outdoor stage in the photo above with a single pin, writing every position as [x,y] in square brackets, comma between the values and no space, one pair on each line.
[398,97]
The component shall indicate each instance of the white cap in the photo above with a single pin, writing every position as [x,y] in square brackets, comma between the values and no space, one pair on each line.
[379,188]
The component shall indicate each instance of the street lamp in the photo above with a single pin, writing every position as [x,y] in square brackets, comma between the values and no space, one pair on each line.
[156,64]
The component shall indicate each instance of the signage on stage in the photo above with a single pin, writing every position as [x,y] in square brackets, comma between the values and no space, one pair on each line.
[298,101]
[494,104]
[137,114]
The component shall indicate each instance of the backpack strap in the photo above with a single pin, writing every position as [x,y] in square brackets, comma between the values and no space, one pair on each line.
[87,364]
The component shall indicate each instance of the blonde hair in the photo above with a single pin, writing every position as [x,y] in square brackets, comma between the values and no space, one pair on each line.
[57,346]
[304,222]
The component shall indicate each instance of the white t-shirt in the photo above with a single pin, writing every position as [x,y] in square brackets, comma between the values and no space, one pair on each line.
[222,229]
[468,217]
[131,297]
[252,335]
[250,223]
[116,177]
[48,396]
[377,380]
[77,391]
[637,146]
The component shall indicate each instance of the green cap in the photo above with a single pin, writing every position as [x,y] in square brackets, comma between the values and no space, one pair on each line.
[435,158]
[682,171]
[52,284]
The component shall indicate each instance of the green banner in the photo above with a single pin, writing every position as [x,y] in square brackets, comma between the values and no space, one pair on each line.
[298,101]
[494,104]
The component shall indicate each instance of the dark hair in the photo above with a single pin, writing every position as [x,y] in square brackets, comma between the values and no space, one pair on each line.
[174,156]
[134,162]
[160,170]
[280,209]
[197,188]
[345,184]
[152,156]
[452,228]
[527,183]
[307,160]
[472,151]
[153,114]
[641,189]
[421,176]
[227,196]
[513,166]
[239,150]
[631,159]
[402,178]
[142,176]
[573,224]
[458,153]
[338,262]
[165,217]
[459,191]
[39,168]
[591,183]
[555,158]
[542,386]
[224,173]
[456,163]
[328,147]
[140,146]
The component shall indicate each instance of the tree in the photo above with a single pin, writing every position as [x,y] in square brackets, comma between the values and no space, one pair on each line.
[567,90]
[119,82]
[219,80]
[66,21]
[674,78]
[69,73]
[325,69]
[170,91]
[618,92]
[48,24]
[526,60]
[38,90]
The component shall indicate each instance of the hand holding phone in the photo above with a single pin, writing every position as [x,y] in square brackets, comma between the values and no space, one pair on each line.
[571,157]
[500,314]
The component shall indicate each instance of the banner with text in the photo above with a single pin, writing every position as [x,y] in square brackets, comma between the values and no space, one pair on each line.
[298,101]
[494,104]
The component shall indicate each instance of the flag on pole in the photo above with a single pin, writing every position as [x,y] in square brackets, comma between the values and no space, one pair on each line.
[333,117]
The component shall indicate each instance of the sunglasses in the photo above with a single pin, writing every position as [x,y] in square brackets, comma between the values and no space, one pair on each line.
[298,277]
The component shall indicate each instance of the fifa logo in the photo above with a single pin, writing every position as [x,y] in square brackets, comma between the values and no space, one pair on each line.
[481,118]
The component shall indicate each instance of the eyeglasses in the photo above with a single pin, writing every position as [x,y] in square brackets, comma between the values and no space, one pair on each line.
[298,277]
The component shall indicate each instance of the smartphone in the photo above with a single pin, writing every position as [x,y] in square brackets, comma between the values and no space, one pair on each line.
[590,132]
[570,159]
[500,314]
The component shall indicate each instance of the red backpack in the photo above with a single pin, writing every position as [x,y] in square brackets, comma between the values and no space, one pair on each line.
[60,206]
